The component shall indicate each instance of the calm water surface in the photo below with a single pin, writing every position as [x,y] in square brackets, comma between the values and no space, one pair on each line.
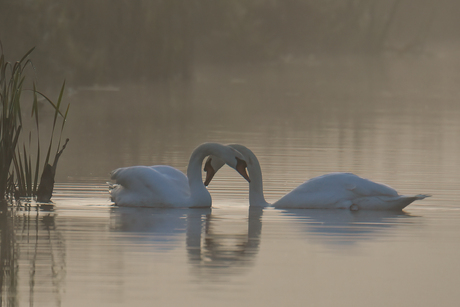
[393,121]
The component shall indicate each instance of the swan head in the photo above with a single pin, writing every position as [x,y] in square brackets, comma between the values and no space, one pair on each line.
[213,164]
[241,168]
[227,155]
[256,194]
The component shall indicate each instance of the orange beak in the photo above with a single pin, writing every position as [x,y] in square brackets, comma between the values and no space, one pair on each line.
[209,172]
[241,168]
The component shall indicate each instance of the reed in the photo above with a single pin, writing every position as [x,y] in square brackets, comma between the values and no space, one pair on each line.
[20,159]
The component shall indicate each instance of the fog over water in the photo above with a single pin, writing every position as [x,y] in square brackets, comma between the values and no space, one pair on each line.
[311,87]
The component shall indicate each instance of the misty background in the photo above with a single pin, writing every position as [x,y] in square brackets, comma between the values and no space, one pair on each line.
[111,41]
[311,86]
[150,80]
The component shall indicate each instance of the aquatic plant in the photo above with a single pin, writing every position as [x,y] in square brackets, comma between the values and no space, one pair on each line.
[20,160]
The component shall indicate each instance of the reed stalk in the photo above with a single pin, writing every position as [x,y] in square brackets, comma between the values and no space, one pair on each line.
[20,160]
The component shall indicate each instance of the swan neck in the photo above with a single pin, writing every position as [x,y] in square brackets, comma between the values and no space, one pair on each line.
[194,174]
[256,186]
[198,191]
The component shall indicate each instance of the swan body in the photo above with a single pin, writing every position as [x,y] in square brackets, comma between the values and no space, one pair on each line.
[330,191]
[163,186]
[344,191]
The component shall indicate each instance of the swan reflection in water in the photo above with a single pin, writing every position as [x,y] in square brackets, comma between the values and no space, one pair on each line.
[345,228]
[219,243]
[216,245]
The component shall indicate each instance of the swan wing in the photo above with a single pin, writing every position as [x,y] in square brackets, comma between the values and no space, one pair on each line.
[385,202]
[334,190]
[362,186]
[175,177]
[144,185]
[320,192]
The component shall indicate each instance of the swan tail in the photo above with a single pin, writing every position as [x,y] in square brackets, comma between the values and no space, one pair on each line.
[421,196]
[386,202]
[405,201]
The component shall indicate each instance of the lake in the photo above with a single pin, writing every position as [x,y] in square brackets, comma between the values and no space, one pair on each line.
[394,120]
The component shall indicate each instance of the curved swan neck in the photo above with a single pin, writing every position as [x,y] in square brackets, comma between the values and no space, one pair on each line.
[198,191]
[194,172]
[256,186]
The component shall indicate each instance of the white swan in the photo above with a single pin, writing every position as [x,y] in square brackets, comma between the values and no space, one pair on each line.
[330,191]
[163,186]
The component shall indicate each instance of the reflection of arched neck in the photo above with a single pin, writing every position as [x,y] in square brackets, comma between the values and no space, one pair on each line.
[206,249]
[254,226]
[211,253]
[193,239]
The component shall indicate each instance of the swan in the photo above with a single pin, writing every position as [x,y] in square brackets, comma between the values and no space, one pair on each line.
[330,191]
[163,186]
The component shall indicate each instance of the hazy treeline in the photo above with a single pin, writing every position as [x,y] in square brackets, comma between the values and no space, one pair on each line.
[96,41]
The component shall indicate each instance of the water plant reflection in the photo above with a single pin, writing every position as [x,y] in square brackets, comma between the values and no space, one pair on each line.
[31,248]
[8,262]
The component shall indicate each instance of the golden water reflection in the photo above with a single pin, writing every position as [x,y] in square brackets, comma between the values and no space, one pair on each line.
[52,256]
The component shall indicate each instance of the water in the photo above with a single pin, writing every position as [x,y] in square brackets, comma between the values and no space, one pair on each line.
[390,120]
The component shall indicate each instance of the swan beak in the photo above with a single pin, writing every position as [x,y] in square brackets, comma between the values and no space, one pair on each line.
[241,168]
[209,172]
